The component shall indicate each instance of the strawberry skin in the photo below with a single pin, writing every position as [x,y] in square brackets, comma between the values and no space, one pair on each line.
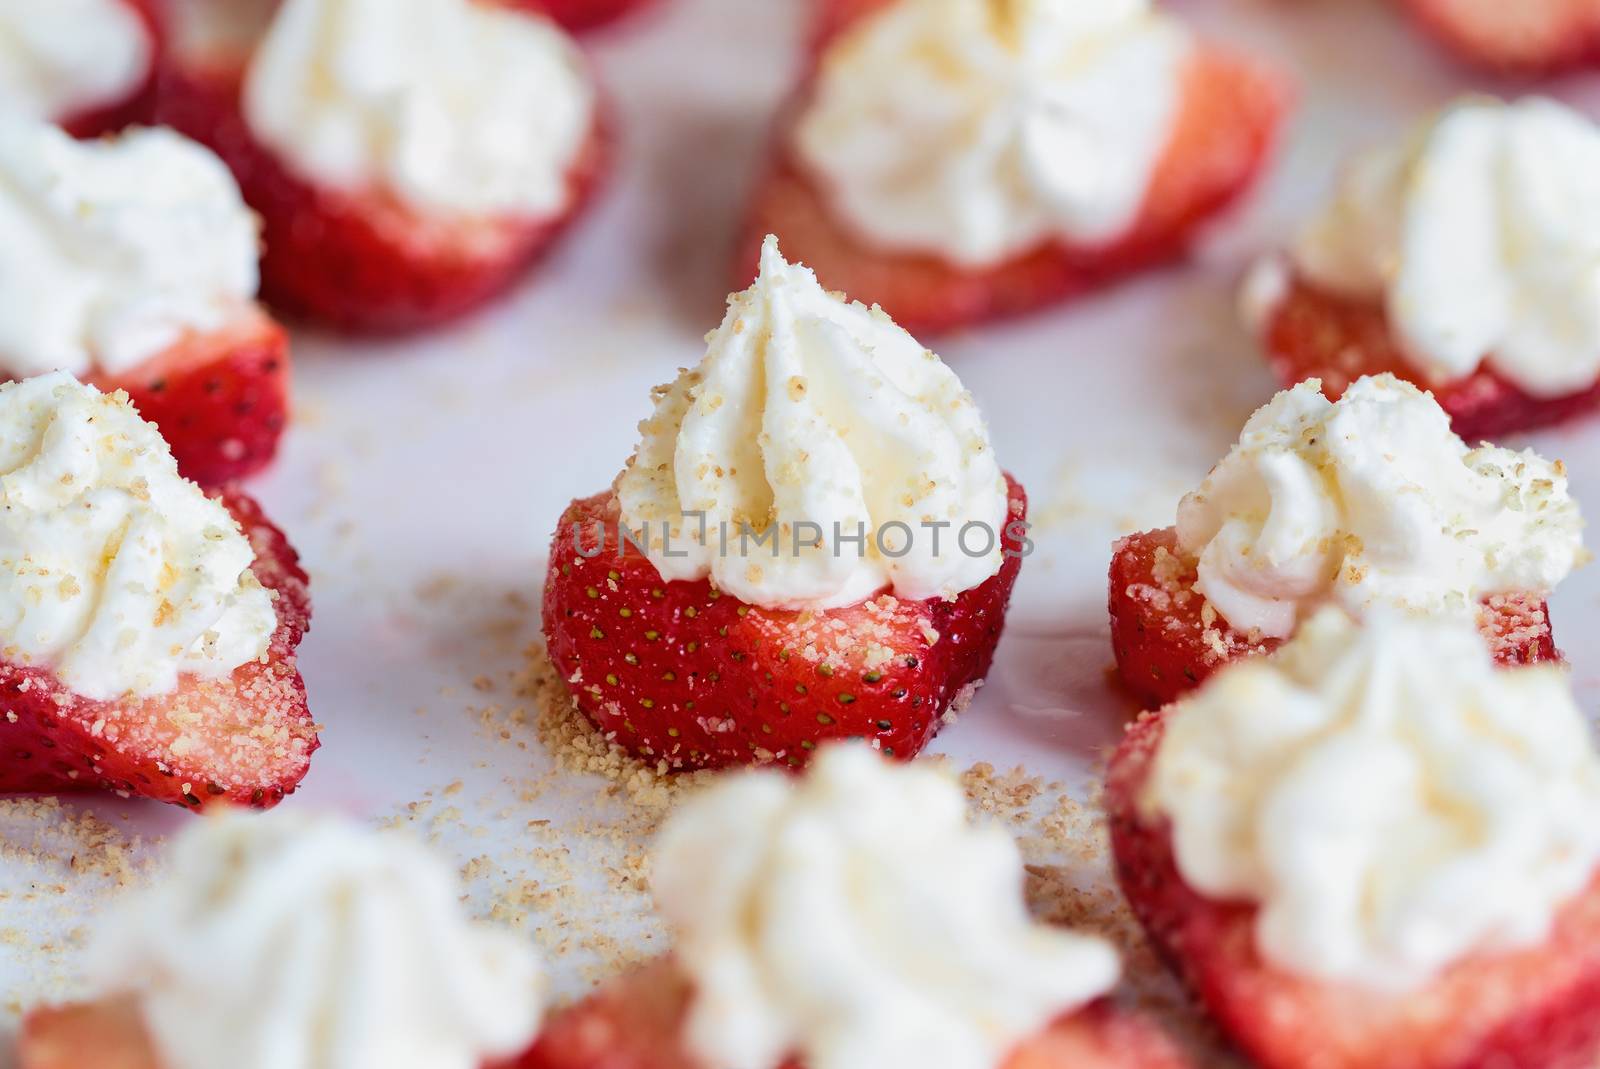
[1167,638]
[1531,1009]
[636,1022]
[245,740]
[681,673]
[94,1035]
[1231,113]
[580,16]
[221,399]
[1515,36]
[139,104]
[1311,333]
[362,262]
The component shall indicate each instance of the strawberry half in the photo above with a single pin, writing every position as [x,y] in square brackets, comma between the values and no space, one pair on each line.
[580,16]
[681,673]
[245,740]
[1531,1009]
[137,106]
[1515,37]
[221,399]
[636,1022]
[362,262]
[1232,108]
[1310,333]
[1167,638]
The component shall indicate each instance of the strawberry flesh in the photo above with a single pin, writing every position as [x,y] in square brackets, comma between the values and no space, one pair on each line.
[221,399]
[244,740]
[1167,638]
[680,673]
[1515,36]
[1532,1009]
[1314,334]
[1231,111]
[362,262]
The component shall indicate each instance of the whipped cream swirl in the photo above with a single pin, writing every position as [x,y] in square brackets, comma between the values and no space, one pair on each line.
[1480,234]
[1372,500]
[454,107]
[115,572]
[61,58]
[817,421]
[1392,800]
[857,917]
[978,130]
[286,941]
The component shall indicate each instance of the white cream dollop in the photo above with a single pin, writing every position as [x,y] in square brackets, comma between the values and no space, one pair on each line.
[1480,234]
[810,411]
[1372,500]
[60,58]
[857,917]
[452,106]
[113,250]
[286,941]
[115,572]
[977,130]
[1391,799]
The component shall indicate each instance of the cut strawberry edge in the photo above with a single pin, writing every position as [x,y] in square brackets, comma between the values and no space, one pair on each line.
[583,16]
[220,398]
[1310,333]
[1525,37]
[1167,639]
[1533,1009]
[139,104]
[243,740]
[1232,110]
[361,262]
[679,674]
[637,1021]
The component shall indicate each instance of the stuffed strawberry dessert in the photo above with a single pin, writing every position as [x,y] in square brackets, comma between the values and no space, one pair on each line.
[86,65]
[1459,259]
[1517,37]
[1375,849]
[344,948]
[1363,502]
[855,917]
[149,635]
[957,160]
[409,159]
[131,263]
[813,541]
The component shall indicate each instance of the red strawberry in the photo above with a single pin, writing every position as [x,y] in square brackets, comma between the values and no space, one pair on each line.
[1515,36]
[636,1023]
[1532,1009]
[137,106]
[1167,638]
[830,18]
[679,672]
[578,16]
[246,740]
[1232,109]
[95,1035]
[361,262]
[1311,333]
[221,399]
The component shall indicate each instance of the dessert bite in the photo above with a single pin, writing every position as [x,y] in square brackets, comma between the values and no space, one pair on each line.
[853,917]
[150,631]
[130,262]
[813,541]
[1374,849]
[1459,258]
[409,159]
[288,940]
[1524,37]
[958,160]
[88,66]
[1362,502]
